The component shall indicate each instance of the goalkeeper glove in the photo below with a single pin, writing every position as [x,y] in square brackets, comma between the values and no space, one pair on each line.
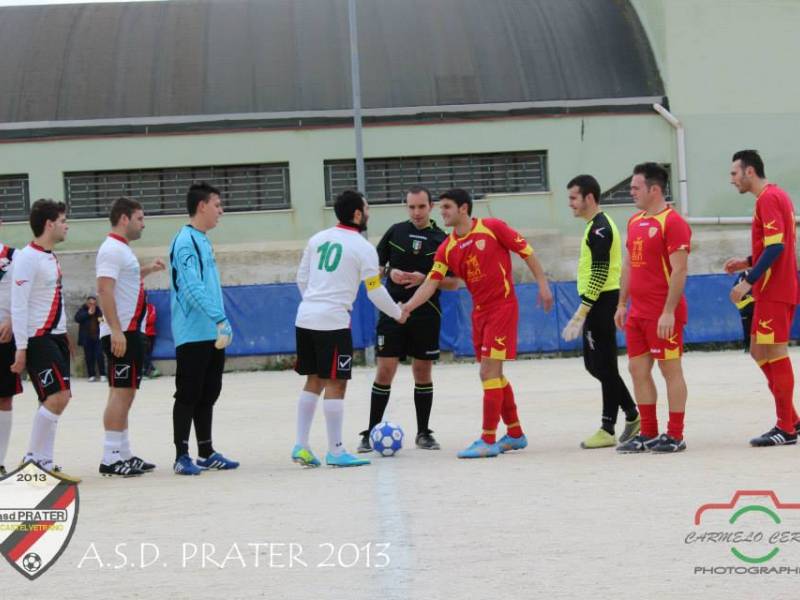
[575,325]
[224,335]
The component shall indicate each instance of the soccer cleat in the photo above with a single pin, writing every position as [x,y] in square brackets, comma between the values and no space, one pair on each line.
[774,437]
[631,430]
[426,441]
[508,442]
[600,439]
[218,462]
[92,379]
[142,465]
[185,466]
[480,449]
[304,456]
[364,446]
[121,468]
[637,445]
[344,460]
[667,443]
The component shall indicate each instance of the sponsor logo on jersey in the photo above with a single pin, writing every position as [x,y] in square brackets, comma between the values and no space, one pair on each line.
[598,232]
[466,244]
[21,281]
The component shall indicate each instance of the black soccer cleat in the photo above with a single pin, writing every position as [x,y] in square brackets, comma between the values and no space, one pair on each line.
[638,445]
[364,446]
[141,464]
[426,441]
[774,437]
[121,468]
[666,444]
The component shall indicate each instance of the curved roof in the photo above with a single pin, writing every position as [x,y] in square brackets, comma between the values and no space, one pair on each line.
[263,58]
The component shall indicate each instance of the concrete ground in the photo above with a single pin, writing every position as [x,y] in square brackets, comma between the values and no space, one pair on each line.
[553,521]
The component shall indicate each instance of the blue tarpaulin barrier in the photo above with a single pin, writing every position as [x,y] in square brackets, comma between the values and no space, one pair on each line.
[263,318]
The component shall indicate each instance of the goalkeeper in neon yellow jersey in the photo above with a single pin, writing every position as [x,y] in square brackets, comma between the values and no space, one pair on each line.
[599,268]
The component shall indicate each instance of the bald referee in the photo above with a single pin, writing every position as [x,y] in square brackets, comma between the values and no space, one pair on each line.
[599,269]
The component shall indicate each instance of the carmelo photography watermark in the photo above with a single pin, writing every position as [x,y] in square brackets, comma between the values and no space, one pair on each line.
[755,533]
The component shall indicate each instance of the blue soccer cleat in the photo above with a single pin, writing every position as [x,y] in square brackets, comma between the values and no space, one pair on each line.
[218,462]
[480,449]
[185,466]
[304,456]
[508,442]
[345,460]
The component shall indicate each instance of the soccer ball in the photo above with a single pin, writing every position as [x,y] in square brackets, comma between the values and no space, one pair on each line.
[31,562]
[386,438]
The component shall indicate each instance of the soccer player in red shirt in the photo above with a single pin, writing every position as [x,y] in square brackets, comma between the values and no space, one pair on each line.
[773,281]
[478,251]
[654,277]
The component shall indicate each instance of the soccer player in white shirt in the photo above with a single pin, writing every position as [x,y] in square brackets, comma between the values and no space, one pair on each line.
[10,383]
[120,292]
[40,328]
[334,264]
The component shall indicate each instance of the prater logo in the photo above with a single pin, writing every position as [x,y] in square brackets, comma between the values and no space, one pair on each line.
[121,371]
[38,514]
[344,362]
[46,377]
[755,528]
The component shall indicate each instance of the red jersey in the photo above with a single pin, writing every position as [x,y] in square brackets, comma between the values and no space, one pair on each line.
[481,258]
[773,223]
[651,239]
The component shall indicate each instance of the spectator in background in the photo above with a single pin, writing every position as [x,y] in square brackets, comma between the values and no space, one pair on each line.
[149,331]
[88,317]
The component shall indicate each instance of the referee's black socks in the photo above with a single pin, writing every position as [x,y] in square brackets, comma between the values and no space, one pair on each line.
[423,400]
[378,402]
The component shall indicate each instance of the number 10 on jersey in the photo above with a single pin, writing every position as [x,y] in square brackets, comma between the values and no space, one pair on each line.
[329,256]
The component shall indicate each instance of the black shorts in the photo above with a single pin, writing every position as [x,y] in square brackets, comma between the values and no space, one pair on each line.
[417,338]
[198,373]
[126,371]
[326,354]
[10,383]
[48,364]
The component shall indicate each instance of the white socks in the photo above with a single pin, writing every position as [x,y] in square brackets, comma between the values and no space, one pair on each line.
[111,447]
[306,406]
[334,419]
[43,436]
[125,452]
[5,433]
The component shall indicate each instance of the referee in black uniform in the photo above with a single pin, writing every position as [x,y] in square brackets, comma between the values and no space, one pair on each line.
[405,254]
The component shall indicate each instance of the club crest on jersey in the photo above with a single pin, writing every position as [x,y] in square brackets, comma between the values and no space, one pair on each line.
[39,514]
[122,371]
[480,244]
[416,246]
[652,231]
[344,362]
[46,377]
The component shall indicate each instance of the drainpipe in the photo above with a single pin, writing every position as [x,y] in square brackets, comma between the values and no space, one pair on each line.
[683,188]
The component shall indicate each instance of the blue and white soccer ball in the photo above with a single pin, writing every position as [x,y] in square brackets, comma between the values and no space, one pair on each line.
[386,438]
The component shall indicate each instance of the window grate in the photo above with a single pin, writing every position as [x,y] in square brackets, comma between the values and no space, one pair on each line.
[163,191]
[14,197]
[387,179]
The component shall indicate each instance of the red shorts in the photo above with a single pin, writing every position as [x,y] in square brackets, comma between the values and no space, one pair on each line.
[494,331]
[772,322]
[642,338]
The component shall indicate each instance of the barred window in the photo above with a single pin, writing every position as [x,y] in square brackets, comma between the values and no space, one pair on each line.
[387,179]
[621,193]
[14,197]
[163,191]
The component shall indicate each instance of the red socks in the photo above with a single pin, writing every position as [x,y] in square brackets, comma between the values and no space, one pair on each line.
[649,427]
[781,376]
[492,405]
[675,425]
[509,411]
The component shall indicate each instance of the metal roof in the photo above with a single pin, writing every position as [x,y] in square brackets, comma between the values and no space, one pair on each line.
[186,63]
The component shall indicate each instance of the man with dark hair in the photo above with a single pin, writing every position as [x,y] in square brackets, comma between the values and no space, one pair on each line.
[654,276]
[88,318]
[201,332]
[40,328]
[122,297]
[773,281]
[599,268]
[405,255]
[335,262]
[10,383]
[478,251]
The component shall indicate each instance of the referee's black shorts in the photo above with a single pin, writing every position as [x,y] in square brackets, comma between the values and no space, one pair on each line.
[418,337]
